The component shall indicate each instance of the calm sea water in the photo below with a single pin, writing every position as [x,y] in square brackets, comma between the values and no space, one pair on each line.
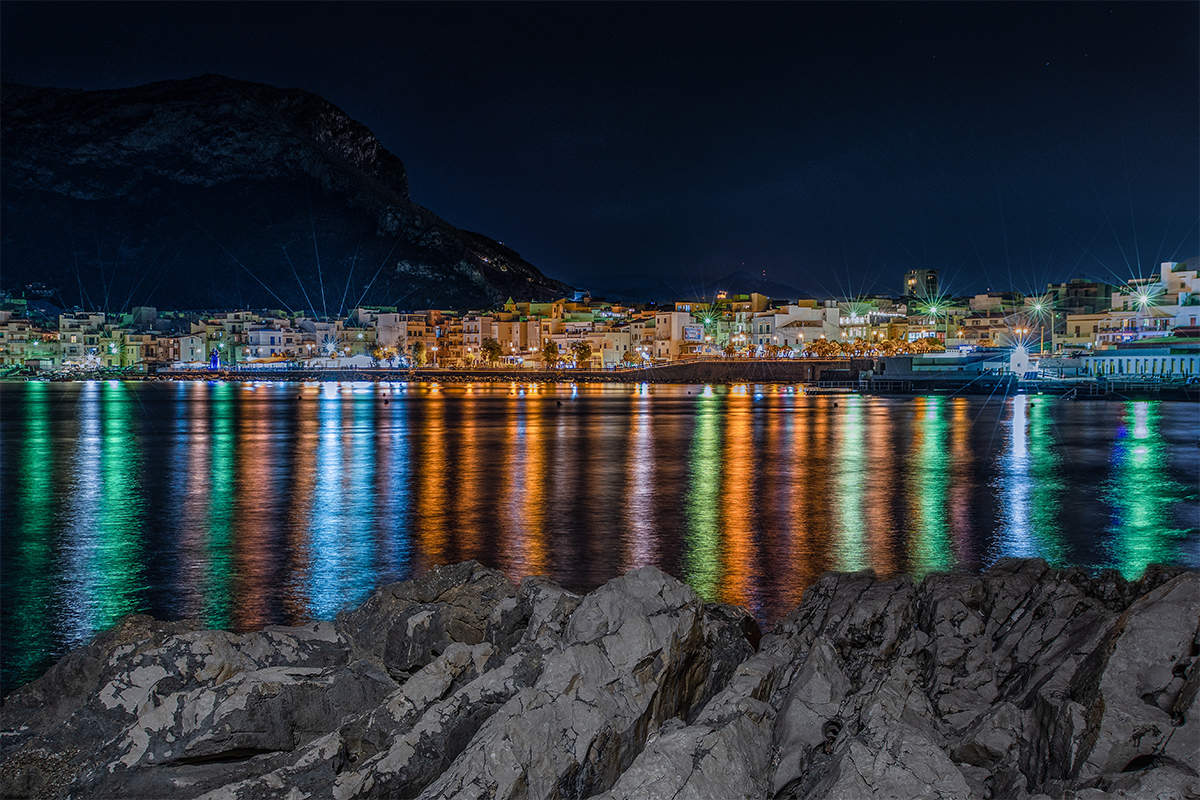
[249,504]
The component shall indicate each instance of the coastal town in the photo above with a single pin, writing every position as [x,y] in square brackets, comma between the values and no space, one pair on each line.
[1144,327]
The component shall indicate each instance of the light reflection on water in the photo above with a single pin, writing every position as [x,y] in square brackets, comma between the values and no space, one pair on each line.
[250,504]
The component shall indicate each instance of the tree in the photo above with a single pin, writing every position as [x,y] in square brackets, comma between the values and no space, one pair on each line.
[582,350]
[417,349]
[491,350]
[824,348]
[729,351]
[550,353]
[929,344]
[629,359]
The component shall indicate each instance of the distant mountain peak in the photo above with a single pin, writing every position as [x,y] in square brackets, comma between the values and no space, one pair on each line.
[259,196]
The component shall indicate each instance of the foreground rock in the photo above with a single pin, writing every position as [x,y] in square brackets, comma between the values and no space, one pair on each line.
[1023,682]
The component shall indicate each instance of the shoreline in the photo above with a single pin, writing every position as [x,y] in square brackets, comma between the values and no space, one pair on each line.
[815,376]
[1023,681]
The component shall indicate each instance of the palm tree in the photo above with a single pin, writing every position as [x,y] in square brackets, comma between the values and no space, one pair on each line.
[418,353]
[550,353]
[491,350]
[582,350]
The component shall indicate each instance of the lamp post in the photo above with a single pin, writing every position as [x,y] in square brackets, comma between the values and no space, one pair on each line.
[1038,307]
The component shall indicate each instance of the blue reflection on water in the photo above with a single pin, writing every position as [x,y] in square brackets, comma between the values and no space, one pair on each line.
[280,503]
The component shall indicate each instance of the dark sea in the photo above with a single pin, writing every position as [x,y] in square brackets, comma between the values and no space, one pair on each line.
[247,504]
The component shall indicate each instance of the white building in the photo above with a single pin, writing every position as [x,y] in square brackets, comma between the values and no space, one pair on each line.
[795,326]
[263,342]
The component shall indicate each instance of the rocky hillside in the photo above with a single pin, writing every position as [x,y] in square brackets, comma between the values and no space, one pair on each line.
[217,193]
[1021,682]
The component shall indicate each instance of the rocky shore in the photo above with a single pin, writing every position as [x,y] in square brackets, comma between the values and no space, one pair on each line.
[1022,682]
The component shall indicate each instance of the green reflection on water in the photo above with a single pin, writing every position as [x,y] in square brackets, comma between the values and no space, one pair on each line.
[33,549]
[218,583]
[702,560]
[852,475]
[121,509]
[930,546]
[1141,495]
[103,571]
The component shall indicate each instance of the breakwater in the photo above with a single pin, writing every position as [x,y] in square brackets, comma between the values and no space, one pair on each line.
[856,375]
[1024,681]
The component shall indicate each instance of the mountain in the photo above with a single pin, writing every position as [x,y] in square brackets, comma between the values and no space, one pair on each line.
[738,282]
[218,193]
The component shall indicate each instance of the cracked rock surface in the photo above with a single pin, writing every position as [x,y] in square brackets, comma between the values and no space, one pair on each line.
[1023,682]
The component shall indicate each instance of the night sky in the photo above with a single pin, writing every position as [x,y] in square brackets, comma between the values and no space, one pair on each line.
[832,145]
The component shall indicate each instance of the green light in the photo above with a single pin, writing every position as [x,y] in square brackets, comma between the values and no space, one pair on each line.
[1142,496]
[217,586]
[702,505]
[31,560]
[929,549]
[851,480]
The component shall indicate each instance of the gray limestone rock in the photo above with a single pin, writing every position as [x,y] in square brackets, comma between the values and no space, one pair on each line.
[1021,682]
[406,625]
[633,656]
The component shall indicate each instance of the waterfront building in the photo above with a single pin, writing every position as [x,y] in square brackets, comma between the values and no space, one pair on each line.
[669,330]
[1133,324]
[271,342]
[1080,332]
[23,343]
[1000,328]
[996,301]
[797,324]
[922,283]
[1173,293]
[1079,296]
[1158,359]
[190,348]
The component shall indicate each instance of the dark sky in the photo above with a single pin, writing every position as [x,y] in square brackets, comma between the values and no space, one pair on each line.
[833,145]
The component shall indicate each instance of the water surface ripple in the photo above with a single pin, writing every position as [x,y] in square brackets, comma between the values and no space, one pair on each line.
[251,504]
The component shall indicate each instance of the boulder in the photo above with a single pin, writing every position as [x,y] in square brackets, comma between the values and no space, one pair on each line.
[1022,682]
[404,626]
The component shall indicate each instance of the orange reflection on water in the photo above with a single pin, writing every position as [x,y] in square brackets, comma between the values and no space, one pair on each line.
[523,497]
[255,458]
[737,490]
[789,540]
[812,462]
[297,599]
[961,485]
[474,482]
[432,476]
[883,472]
[531,535]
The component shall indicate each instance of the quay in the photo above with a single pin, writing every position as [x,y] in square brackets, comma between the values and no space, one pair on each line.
[817,376]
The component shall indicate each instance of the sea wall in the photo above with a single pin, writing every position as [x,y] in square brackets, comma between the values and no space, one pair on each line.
[1024,681]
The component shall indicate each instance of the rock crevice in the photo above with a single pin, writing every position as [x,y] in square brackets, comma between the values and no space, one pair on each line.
[1022,682]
